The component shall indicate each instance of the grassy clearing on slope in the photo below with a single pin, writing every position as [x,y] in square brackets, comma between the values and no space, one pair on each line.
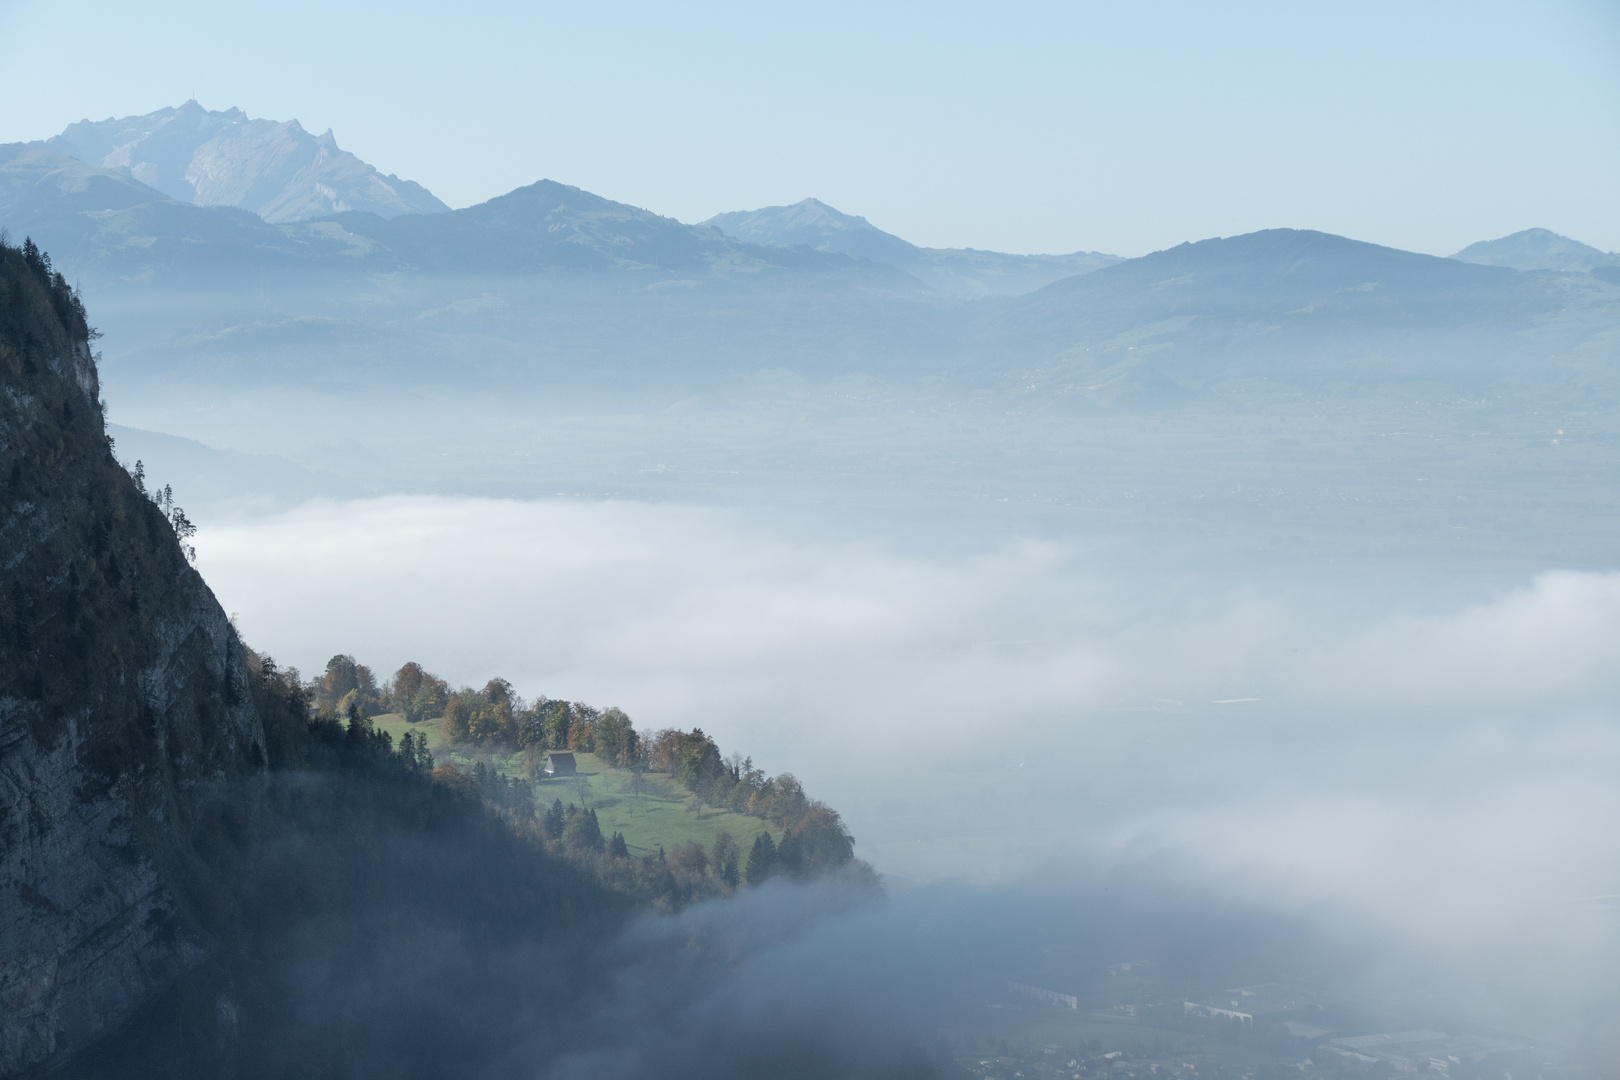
[661,814]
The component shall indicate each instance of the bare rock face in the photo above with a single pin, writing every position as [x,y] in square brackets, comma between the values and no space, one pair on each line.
[124,701]
[275,169]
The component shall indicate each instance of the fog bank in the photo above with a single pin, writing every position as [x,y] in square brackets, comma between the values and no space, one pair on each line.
[1441,769]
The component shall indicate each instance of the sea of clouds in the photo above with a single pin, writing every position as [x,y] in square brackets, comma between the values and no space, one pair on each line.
[1429,760]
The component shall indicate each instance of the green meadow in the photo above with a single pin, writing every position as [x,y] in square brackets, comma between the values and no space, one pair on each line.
[656,812]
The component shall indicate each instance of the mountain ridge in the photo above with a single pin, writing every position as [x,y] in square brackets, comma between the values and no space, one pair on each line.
[276,169]
[1537,249]
[550,225]
[108,226]
[812,224]
[1305,306]
[553,284]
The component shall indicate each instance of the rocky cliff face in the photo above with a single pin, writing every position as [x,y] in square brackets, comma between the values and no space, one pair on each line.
[275,169]
[124,701]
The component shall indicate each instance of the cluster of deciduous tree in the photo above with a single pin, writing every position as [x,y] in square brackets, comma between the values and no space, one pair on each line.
[694,760]
[493,716]
[346,683]
[413,691]
[300,734]
[814,837]
[816,843]
[416,693]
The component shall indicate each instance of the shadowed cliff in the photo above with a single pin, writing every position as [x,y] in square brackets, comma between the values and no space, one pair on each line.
[200,878]
[187,862]
[123,695]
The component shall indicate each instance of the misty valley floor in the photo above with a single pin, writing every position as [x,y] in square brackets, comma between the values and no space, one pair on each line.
[1340,658]
[1326,672]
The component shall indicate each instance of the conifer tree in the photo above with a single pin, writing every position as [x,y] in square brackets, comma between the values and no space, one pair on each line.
[555,820]
[761,860]
[727,870]
[726,854]
[790,856]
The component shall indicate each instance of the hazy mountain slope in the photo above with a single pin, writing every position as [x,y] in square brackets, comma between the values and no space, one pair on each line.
[109,228]
[813,224]
[552,226]
[1536,249]
[277,170]
[964,271]
[123,696]
[105,228]
[210,477]
[971,272]
[1305,308]
[550,286]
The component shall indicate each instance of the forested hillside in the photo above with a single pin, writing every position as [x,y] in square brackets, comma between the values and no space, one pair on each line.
[207,870]
[493,743]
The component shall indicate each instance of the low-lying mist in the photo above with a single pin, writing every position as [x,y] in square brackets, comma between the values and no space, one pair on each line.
[1411,768]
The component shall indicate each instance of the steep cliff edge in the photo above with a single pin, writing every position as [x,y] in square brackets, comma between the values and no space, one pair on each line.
[124,700]
[200,877]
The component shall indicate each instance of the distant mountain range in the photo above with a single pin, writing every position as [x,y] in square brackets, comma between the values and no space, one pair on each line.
[1537,249]
[552,285]
[1306,307]
[275,169]
[107,226]
[110,209]
[815,225]
[161,196]
[551,226]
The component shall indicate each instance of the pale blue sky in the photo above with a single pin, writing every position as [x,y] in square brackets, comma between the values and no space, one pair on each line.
[1018,127]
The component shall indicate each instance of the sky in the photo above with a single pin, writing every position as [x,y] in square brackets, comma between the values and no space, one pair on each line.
[1029,127]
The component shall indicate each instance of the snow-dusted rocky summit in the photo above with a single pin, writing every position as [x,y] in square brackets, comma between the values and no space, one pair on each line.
[277,170]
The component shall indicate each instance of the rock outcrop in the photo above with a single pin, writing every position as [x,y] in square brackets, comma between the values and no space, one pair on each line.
[275,169]
[124,700]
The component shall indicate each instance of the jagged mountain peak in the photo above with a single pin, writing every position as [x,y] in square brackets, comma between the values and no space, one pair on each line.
[275,168]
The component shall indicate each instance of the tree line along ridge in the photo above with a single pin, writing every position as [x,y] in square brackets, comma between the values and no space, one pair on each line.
[814,839]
